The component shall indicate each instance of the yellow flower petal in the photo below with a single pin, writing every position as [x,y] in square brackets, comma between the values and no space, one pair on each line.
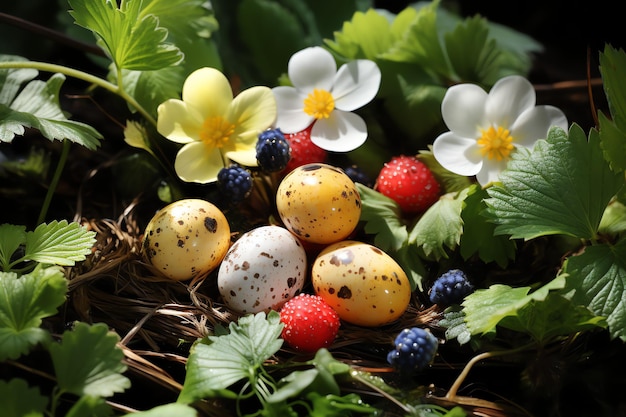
[195,162]
[178,122]
[253,109]
[208,91]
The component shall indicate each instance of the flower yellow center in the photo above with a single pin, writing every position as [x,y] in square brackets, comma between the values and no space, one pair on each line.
[319,104]
[216,131]
[496,143]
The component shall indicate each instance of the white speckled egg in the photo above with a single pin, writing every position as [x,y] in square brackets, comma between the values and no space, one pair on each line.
[186,238]
[362,283]
[262,270]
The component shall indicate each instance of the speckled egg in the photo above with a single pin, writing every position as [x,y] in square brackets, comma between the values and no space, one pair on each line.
[263,269]
[186,238]
[362,283]
[319,203]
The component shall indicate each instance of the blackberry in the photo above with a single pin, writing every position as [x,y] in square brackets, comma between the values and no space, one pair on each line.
[450,288]
[272,151]
[356,174]
[414,350]
[235,183]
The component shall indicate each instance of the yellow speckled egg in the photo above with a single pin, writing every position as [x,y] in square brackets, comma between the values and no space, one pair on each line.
[319,203]
[362,283]
[186,238]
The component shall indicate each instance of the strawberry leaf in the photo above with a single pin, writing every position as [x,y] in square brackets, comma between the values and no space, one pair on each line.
[36,105]
[217,362]
[24,301]
[132,40]
[178,410]
[554,317]
[366,36]
[440,227]
[613,129]
[381,218]
[18,399]
[562,186]
[478,234]
[598,276]
[60,243]
[88,361]
[420,42]
[485,308]
[11,238]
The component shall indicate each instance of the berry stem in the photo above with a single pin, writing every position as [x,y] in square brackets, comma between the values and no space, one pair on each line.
[485,355]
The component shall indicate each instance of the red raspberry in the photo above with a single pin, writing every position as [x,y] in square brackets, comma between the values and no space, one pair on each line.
[310,323]
[409,182]
[303,151]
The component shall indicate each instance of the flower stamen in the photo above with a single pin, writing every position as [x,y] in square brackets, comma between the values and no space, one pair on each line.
[319,104]
[216,131]
[496,144]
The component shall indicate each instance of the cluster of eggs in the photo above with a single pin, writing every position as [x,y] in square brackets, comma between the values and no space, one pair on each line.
[319,205]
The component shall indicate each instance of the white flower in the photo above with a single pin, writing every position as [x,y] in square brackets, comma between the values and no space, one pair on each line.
[327,97]
[486,128]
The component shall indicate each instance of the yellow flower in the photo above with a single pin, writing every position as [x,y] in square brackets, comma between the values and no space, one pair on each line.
[214,127]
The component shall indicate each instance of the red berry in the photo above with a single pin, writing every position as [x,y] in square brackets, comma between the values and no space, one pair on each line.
[409,182]
[310,323]
[303,151]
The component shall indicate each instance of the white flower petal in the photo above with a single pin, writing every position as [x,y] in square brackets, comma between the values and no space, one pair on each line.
[463,109]
[290,115]
[356,84]
[508,99]
[457,154]
[490,171]
[341,132]
[534,124]
[310,68]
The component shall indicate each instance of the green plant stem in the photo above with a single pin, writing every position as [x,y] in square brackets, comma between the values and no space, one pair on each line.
[55,181]
[485,355]
[81,75]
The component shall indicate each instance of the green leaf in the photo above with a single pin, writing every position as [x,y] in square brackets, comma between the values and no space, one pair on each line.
[59,243]
[454,322]
[554,317]
[598,276]
[167,410]
[217,362]
[485,308]
[131,40]
[11,238]
[288,35]
[614,219]
[478,234]
[90,406]
[37,106]
[473,55]
[88,361]
[382,218]
[411,264]
[366,36]
[613,130]
[24,301]
[562,186]
[440,227]
[420,43]
[20,400]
